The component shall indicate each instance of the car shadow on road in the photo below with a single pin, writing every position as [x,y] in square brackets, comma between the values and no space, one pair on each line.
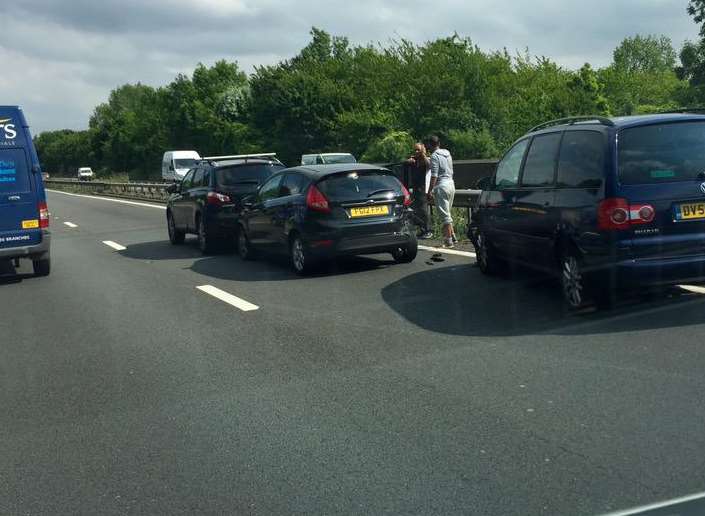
[463,301]
[228,266]
[9,275]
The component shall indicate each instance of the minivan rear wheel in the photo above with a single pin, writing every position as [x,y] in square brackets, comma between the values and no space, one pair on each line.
[572,280]
[486,256]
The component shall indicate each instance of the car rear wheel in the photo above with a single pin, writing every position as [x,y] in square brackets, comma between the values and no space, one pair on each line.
[244,248]
[176,237]
[486,256]
[205,242]
[42,267]
[301,259]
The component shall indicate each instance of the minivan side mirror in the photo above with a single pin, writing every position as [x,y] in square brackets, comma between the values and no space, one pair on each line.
[171,167]
[173,188]
[484,184]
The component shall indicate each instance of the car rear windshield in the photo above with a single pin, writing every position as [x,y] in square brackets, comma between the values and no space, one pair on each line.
[359,185]
[240,175]
[662,153]
[14,173]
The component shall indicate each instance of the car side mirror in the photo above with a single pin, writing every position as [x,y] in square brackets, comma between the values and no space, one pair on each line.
[171,167]
[484,184]
[172,188]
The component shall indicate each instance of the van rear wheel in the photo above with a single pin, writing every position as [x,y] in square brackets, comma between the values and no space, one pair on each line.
[572,280]
[41,267]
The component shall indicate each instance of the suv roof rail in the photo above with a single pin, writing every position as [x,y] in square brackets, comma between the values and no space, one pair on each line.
[683,110]
[572,120]
[241,156]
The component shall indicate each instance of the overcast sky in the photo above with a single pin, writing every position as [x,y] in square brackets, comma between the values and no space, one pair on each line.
[61,58]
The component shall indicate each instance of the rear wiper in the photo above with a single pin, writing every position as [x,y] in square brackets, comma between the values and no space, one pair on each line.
[380,191]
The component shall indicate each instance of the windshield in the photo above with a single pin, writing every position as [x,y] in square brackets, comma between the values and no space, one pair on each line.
[359,185]
[240,175]
[184,163]
[662,153]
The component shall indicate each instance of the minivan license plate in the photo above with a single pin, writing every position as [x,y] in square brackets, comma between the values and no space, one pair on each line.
[690,211]
[369,211]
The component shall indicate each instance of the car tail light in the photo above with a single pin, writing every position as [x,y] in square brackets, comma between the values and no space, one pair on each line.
[43,215]
[316,201]
[618,214]
[641,213]
[217,198]
[407,196]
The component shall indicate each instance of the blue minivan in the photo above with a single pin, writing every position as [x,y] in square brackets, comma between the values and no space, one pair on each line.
[605,203]
[24,217]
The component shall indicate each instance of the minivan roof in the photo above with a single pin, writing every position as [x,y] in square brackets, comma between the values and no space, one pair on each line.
[619,122]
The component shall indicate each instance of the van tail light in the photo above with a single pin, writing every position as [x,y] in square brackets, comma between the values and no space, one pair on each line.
[43,215]
[407,196]
[316,201]
[217,199]
[618,214]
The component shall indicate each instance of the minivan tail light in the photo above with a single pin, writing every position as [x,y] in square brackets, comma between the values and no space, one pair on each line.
[618,214]
[407,196]
[316,201]
[217,198]
[43,215]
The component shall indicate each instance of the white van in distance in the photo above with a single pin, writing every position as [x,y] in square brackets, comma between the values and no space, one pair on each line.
[85,174]
[175,164]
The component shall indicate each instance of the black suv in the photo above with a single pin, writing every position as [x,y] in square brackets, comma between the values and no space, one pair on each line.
[606,203]
[207,200]
[319,212]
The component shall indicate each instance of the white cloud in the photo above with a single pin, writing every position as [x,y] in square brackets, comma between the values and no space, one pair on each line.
[62,58]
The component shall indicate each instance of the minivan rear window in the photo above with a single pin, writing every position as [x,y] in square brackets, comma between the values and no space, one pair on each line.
[245,174]
[14,172]
[662,153]
[359,185]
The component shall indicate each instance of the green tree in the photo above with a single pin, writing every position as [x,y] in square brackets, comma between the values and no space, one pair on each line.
[392,148]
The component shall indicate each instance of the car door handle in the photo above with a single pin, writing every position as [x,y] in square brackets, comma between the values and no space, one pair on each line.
[14,198]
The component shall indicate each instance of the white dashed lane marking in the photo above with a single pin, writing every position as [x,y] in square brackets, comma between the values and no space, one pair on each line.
[70,224]
[114,245]
[241,304]
[447,251]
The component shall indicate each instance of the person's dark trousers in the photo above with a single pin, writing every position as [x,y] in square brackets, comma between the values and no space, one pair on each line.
[419,203]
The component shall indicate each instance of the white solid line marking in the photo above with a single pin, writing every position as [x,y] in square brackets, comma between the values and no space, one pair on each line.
[70,224]
[447,251]
[114,245]
[228,298]
[110,199]
[692,288]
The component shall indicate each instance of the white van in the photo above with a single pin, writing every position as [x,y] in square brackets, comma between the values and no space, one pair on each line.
[85,174]
[327,158]
[175,164]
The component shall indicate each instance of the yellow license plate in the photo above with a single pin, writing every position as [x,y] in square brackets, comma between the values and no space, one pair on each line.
[690,211]
[369,211]
[30,224]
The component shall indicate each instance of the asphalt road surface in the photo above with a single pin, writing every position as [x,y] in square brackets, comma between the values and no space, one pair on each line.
[369,388]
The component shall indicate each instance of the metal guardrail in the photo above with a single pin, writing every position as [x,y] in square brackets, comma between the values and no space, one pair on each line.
[155,192]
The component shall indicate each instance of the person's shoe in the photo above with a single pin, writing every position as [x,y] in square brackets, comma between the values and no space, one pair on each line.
[448,244]
[455,239]
[426,236]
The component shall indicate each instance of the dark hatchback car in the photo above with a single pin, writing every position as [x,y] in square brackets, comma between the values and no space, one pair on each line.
[208,199]
[607,204]
[319,212]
